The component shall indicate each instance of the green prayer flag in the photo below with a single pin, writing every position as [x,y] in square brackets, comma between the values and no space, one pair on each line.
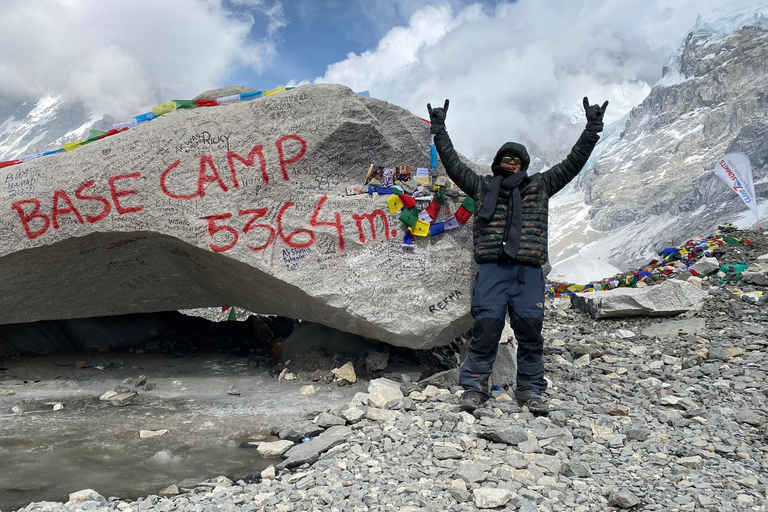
[409,217]
[396,191]
[469,204]
[185,103]
[440,195]
[731,240]
[95,134]
[231,316]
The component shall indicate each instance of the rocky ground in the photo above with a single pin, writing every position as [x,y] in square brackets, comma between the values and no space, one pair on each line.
[647,414]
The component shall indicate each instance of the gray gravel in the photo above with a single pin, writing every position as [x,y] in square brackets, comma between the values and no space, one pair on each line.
[644,422]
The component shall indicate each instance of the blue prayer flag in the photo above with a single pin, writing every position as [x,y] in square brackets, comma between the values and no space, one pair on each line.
[436,228]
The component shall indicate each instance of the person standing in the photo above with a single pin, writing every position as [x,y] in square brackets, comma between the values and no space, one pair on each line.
[510,246]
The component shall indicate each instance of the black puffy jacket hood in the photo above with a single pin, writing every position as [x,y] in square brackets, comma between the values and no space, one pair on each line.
[513,147]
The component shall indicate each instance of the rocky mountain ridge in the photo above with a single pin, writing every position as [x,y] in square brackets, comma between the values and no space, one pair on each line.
[652,180]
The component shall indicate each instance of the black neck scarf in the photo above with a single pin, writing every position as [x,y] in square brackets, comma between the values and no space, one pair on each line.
[513,229]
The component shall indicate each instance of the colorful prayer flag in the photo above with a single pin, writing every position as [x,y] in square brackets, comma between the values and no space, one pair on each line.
[395,204]
[451,223]
[70,146]
[126,124]
[469,204]
[247,96]
[420,228]
[440,195]
[145,117]
[185,104]
[164,108]
[235,98]
[436,228]
[433,209]
[462,215]
[275,90]
[408,201]
[408,217]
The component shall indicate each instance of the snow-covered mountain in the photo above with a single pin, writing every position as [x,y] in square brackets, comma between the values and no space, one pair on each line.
[651,177]
[44,125]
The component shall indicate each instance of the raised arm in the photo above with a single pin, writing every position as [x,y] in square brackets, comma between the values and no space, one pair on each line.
[461,174]
[561,174]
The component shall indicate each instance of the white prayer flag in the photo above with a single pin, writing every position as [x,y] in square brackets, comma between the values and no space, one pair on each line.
[451,223]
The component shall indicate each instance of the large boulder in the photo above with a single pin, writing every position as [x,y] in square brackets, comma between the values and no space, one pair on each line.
[242,204]
[670,298]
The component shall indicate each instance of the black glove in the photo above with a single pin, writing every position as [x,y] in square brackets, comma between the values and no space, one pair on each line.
[594,115]
[437,118]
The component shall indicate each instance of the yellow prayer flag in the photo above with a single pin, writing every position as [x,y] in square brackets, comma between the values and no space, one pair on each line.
[421,228]
[576,288]
[275,90]
[164,108]
[69,146]
[395,204]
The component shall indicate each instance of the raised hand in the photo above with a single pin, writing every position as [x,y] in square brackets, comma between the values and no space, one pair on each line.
[594,115]
[437,117]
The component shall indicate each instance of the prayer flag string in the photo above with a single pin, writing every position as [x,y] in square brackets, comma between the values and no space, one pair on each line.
[155,112]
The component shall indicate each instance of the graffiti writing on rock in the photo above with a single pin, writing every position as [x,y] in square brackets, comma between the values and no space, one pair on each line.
[446,302]
[209,173]
[205,140]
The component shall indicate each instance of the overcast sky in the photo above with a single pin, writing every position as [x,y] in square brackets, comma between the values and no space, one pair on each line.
[506,66]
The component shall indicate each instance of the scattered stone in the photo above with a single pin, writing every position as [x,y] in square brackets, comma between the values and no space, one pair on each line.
[582,361]
[492,497]
[443,452]
[141,380]
[171,490]
[345,373]
[269,473]
[86,495]
[376,361]
[381,391]
[326,420]
[122,399]
[148,434]
[17,410]
[308,453]
[623,499]
[7,392]
[275,449]
[307,390]
[508,435]
[353,414]
[376,414]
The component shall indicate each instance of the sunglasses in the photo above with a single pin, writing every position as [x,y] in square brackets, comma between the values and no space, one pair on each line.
[510,159]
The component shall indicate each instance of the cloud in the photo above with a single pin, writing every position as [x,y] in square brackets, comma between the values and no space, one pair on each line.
[518,71]
[124,56]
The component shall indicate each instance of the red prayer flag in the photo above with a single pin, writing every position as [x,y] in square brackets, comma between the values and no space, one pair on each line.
[9,163]
[462,215]
[433,209]
[408,201]
[207,103]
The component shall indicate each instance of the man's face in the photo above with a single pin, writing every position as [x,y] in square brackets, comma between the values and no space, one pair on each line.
[511,162]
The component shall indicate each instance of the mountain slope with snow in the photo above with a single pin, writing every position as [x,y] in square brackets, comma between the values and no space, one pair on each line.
[652,183]
[44,125]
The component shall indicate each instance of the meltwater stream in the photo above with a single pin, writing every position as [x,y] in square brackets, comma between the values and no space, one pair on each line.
[210,404]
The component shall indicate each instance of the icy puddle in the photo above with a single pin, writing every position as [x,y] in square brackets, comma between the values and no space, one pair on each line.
[210,404]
